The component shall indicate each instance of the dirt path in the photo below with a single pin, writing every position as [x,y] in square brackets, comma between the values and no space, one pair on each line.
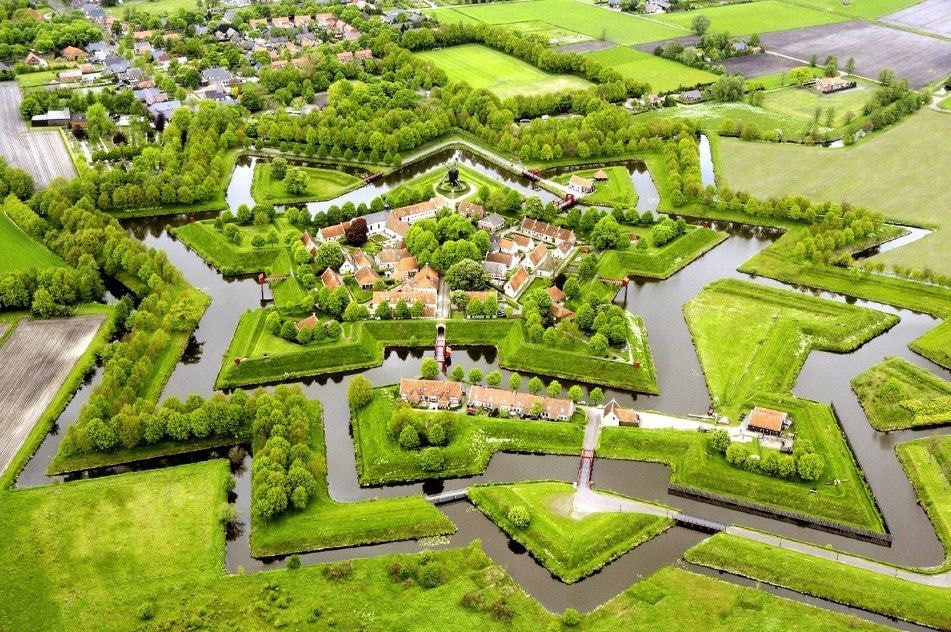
[41,153]
[34,362]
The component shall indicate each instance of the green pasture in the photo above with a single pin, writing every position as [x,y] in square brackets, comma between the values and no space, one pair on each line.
[617,190]
[20,252]
[229,258]
[569,546]
[897,395]
[864,9]
[895,172]
[503,75]
[322,184]
[555,35]
[663,75]
[571,15]
[935,345]
[153,7]
[804,103]
[754,17]
[711,116]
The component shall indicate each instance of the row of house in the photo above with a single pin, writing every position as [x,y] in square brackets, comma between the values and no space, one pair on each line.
[438,394]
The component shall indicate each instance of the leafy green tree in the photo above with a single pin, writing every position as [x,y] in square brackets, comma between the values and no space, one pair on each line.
[98,123]
[800,75]
[607,234]
[475,376]
[458,373]
[359,392]
[700,24]
[409,438]
[515,381]
[494,379]
[329,255]
[296,181]
[575,393]
[598,344]
[728,88]
[554,388]
[810,466]
[519,517]
[279,168]
[720,441]
[466,275]
[596,396]
[429,369]
[535,385]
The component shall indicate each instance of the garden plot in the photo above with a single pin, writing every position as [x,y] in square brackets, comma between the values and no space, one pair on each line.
[930,15]
[42,154]
[34,362]
[920,58]
[752,66]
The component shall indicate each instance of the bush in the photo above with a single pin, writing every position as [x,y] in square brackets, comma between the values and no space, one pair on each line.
[293,562]
[432,459]
[342,570]
[409,438]
[519,517]
[147,611]
[359,392]
[432,575]
[436,434]
[571,617]
[720,441]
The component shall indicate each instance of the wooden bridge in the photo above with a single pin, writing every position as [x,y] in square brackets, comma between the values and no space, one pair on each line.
[585,468]
[698,524]
[448,496]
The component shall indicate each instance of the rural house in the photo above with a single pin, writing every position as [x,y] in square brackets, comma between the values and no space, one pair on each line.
[767,421]
[517,282]
[431,393]
[331,279]
[519,404]
[581,185]
[616,415]
[549,233]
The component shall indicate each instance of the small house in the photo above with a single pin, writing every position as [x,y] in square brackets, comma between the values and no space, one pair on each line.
[34,61]
[72,53]
[491,223]
[518,282]
[331,279]
[828,85]
[431,393]
[600,176]
[581,185]
[616,415]
[471,210]
[691,96]
[366,278]
[767,421]
[308,323]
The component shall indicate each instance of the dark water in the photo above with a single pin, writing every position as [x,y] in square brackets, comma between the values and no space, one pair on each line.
[707,173]
[825,377]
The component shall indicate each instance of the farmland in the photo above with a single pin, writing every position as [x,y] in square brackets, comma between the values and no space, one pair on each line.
[893,173]
[497,72]
[41,153]
[931,15]
[755,17]
[34,362]
[866,9]
[20,252]
[662,74]
[803,103]
[711,116]
[570,15]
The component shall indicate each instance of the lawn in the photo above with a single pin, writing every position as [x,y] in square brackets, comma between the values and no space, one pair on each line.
[476,180]
[571,547]
[897,395]
[555,35]
[927,462]
[20,252]
[711,117]
[268,358]
[36,80]
[663,75]
[322,184]
[826,579]
[695,465]
[154,7]
[894,172]
[935,345]
[325,523]
[945,103]
[617,190]
[803,103]
[231,259]
[571,15]
[473,441]
[662,262]
[754,17]
[753,339]
[865,9]
[501,74]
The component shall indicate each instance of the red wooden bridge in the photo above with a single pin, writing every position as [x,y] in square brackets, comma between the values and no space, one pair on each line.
[585,468]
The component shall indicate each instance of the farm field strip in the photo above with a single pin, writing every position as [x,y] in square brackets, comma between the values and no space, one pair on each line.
[754,17]
[34,362]
[41,153]
[663,75]
[20,252]
[931,15]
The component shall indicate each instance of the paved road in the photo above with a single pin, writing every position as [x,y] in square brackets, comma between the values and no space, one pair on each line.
[41,153]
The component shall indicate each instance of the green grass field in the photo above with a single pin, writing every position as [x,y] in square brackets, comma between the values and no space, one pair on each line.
[826,579]
[866,9]
[322,184]
[154,7]
[228,258]
[711,117]
[555,35]
[945,103]
[894,172]
[696,465]
[570,547]
[571,15]
[501,74]
[617,190]
[897,395]
[658,263]
[663,75]
[20,252]
[754,17]
[753,339]
[36,80]
[935,345]
[927,462]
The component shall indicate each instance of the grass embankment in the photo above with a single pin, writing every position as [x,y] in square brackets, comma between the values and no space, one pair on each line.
[20,252]
[322,184]
[826,579]
[229,258]
[893,172]
[617,190]
[267,358]
[659,262]
[935,345]
[570,547]
[927,462]
[473,440]
[780,262]
[753,339]
[85,364]
[662,74]
[695,464]
[106,554]
[501,74]
[431,179]
[326,524]
[897,395]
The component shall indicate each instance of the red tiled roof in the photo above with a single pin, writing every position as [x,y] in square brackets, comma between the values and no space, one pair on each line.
[766,419]
[331,279]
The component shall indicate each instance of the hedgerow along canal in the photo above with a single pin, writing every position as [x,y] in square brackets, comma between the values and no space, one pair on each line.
[825,377]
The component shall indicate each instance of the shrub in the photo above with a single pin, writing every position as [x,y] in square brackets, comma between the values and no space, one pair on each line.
[472,600]
[432,459]
[736,454]
[810,466]
[359,392]
[432,575]
[409,438]
[720,441]
[342,570]
[147,611]
[293,562]
[571,617]
[519,517]
[436,434]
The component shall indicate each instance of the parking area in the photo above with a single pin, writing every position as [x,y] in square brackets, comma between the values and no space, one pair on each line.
[920,58]
[933,16]
[41,153]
